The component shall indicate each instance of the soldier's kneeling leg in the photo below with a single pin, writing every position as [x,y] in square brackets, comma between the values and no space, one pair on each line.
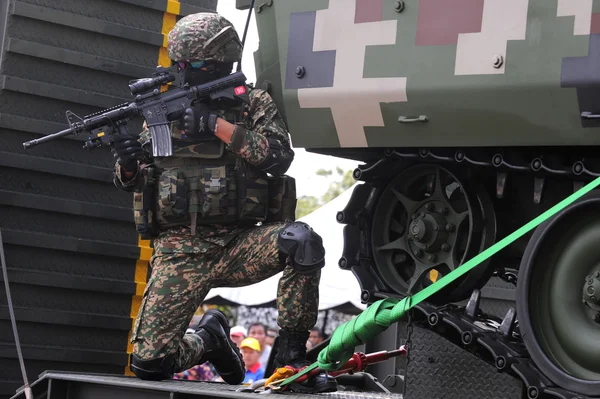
[158,369]
[303,246]
[306,253]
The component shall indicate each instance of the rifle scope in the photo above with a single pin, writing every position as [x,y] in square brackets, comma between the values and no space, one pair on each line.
[142,85]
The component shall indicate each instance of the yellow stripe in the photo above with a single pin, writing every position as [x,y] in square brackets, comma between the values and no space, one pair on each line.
[141,271]
[173,7]
[145,250]
[163,58]
[141,266]
[169,20]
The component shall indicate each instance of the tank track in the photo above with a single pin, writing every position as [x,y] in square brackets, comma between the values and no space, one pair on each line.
[495,341]
[578,166]
[506,160]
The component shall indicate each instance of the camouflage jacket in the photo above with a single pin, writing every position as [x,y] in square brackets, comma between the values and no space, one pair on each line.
[260,119]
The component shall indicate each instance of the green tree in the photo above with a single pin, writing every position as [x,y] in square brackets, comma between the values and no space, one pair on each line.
[308,204]
[323,172]
[338,187]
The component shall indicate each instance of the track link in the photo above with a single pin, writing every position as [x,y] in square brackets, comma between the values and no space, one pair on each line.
[493,340]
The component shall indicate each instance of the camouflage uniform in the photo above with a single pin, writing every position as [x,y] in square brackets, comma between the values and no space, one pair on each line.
[185,266]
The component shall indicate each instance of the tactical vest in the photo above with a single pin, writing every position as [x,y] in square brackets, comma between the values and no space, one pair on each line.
[207,184]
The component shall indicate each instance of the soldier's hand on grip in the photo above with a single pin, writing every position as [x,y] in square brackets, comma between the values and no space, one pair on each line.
[127,151]
[199,123]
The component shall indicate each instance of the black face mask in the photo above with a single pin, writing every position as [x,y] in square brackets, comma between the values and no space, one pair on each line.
[196,77]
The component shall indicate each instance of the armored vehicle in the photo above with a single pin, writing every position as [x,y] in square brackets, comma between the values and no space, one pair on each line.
[467,119]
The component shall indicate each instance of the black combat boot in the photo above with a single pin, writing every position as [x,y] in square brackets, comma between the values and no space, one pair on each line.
[292,352]
[219,349]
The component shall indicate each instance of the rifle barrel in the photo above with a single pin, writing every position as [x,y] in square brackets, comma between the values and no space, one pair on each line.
[34,142]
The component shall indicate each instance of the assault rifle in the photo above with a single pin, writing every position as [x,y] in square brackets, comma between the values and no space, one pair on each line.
[156,107]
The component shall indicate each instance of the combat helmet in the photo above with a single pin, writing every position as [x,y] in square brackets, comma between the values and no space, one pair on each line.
[204,37]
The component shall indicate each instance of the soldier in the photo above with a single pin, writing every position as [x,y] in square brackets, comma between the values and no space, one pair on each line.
[209,196]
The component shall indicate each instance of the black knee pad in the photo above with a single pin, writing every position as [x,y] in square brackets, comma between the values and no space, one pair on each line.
[303,246]
[158,369]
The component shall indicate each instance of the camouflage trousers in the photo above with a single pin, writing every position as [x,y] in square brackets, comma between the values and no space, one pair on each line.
[180,281]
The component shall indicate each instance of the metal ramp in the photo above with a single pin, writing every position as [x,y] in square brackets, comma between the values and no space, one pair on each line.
[69,385]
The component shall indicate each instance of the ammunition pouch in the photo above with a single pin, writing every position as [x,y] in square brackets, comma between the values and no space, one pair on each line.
[189,195]
[226,190]
[144,203]
[252,193]
[282,199]
[172,199]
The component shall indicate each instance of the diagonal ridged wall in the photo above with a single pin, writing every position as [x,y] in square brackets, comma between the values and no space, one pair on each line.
[76,266]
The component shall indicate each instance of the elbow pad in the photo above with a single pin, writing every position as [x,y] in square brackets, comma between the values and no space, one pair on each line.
[278,160]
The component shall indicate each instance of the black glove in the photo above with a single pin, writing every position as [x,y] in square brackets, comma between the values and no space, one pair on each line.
[199,123]
[127,151]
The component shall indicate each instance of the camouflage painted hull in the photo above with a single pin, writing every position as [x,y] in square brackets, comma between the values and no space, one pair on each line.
[499,96]
[384,73]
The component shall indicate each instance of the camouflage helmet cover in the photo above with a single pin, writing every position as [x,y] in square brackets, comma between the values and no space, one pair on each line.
[204,37]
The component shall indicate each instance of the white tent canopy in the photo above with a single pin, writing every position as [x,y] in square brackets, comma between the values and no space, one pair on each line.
[337,286]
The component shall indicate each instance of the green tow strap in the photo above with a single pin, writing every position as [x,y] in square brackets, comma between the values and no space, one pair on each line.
[382,314]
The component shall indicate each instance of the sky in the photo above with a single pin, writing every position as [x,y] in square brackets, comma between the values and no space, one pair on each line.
[305,164]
